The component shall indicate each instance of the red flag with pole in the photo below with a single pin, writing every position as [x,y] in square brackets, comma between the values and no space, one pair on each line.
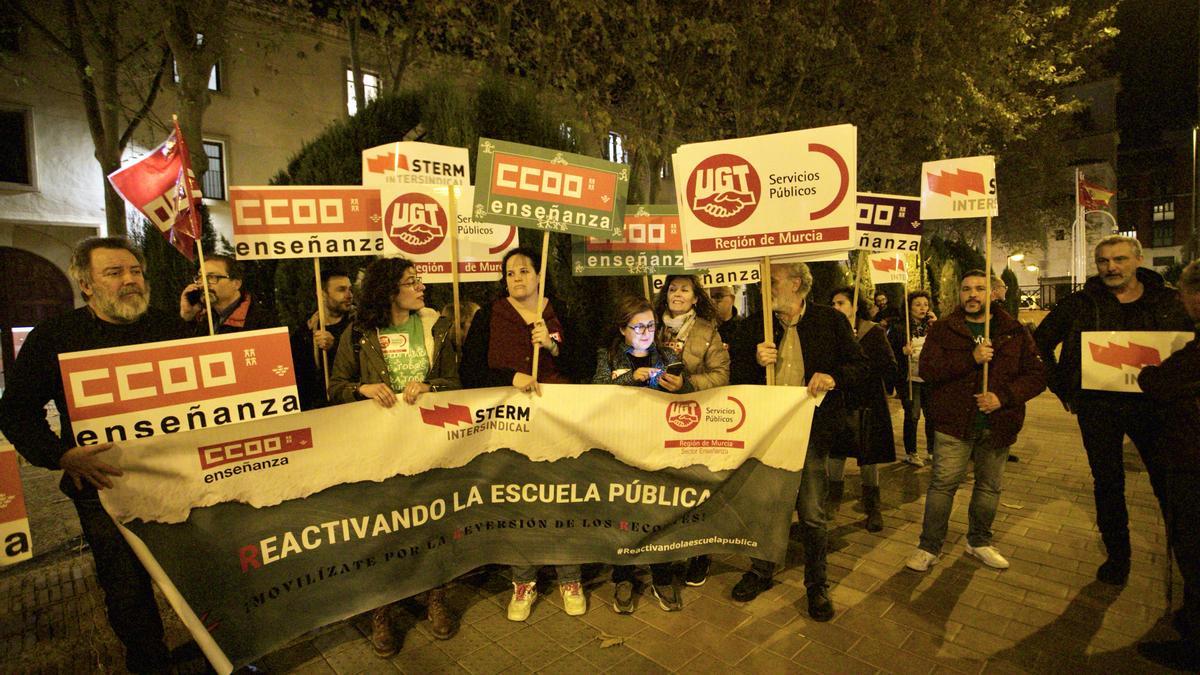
[162,187]
[1093,197]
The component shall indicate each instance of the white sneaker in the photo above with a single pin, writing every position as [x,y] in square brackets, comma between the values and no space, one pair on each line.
[522,601]
[915,460]
[988,555]
[574,604]
[921,560]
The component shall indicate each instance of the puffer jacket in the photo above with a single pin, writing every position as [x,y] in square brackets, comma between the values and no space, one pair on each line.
[705,356]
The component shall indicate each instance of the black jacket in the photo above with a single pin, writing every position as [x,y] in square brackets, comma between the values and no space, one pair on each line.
[310,373]
[35,379]
[1096,308]
[828,346]
[1175,384]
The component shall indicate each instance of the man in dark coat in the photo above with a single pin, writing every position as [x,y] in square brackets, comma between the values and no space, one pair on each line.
[313,349]
[111,278]
[1175,387]
[811,346]
[1123,296]
[235,309]
[974,422]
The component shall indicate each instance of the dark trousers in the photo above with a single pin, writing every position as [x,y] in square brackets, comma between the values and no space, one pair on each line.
[810,505]
[915,408]
[128,596]
[1182,501]
[1104,424]
[660,573]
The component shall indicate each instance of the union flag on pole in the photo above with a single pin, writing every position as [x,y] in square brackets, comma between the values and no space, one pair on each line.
[1093,197]
[163,188]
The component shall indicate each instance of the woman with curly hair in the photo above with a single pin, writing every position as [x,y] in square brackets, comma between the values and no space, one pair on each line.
[396,346]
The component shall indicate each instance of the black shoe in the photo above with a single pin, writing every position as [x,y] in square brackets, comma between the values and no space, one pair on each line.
[697,571]
[1013,458]
[623,597]
[820,607]
[749,587]
[1114,571]
[1175,654]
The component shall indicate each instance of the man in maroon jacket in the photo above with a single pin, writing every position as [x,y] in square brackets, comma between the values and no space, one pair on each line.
[1175,387]
[970,425]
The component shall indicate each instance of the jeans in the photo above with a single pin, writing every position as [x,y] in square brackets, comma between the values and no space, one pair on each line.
[566,574]
[914,409]
[128,595]
[949,469]
[810,505]
[1104,424]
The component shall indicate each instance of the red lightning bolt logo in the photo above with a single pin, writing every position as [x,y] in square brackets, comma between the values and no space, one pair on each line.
[385,163]
[947,183]
[888,264]
[1115,355]
[450,415]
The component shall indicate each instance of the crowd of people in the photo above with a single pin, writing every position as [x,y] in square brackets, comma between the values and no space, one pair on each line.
[967,377]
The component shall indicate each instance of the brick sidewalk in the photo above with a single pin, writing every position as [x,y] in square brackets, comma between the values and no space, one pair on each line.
[1045,614]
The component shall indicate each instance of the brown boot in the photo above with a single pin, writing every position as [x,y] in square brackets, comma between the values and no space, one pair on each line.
[383,640]
[441,624]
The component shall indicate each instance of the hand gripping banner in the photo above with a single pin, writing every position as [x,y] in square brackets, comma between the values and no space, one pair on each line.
[262,531]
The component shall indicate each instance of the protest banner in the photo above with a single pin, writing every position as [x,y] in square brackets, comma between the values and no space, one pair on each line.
[651,243]
[414,225]
[15,542]
[295,530]
[1112,360]
[887,268]
[889,222]
[773,195]
[275,222]
[138,391]
[549,190]
[975,179]
[411,164]
[723,275]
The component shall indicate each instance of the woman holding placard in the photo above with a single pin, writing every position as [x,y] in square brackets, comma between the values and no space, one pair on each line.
[498,352]
[396,348]
[868,431]
[688,326]
[636,358]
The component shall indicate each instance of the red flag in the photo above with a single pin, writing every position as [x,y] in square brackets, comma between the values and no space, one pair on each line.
[159,186]
[1093,197]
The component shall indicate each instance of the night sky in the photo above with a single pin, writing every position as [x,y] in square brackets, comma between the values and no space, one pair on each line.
[1156,56]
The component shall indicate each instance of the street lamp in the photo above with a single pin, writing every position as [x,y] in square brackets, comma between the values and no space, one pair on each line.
[1031,268]
[1017,257]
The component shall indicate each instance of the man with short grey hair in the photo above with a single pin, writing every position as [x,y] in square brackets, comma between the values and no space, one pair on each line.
[815,349]
[1123,296]
[111,277]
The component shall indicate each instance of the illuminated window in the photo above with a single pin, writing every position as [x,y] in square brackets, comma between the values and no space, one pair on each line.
[370,89]
[1164,211]
[214,179]
[614,148]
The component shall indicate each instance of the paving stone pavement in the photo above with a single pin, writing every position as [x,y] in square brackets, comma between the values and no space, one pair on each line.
[1045,614]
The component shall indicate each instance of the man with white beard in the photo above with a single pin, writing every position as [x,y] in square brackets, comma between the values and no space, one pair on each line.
[111,278]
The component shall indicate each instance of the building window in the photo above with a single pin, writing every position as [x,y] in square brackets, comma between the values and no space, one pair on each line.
[17,169]
[1164,211]
[664,171]
[214,75]
[1060,235]
[1164,234]
[614,148]
[1163,260]
[214,179]
[370,89]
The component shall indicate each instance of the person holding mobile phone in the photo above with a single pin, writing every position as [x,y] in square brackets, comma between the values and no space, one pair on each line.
[635,358]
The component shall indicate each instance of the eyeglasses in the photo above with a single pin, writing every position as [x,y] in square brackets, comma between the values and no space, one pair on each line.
[415,281]
[212,278]
[642,328]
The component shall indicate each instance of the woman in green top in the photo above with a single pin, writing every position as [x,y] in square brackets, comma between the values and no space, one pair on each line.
[397,346]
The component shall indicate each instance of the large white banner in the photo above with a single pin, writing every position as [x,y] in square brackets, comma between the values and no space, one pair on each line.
[776,195]
[1112,360]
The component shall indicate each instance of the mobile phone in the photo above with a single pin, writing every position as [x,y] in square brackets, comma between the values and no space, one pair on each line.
[675,369]
[194,296]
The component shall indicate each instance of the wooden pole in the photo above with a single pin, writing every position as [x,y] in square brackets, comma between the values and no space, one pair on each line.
[857,281]
[453,226]
[646,288]
[908,341]
[541,295]
[321,318]
[987,295]
[768,323]
[208,311]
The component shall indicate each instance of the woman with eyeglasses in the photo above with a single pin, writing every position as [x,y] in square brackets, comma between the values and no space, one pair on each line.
[636,358]
[868,431]
[498,352]
[689,328]
[396,347]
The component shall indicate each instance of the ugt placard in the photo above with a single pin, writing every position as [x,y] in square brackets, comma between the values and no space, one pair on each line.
[528,186]
[651,243]
[775,195]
